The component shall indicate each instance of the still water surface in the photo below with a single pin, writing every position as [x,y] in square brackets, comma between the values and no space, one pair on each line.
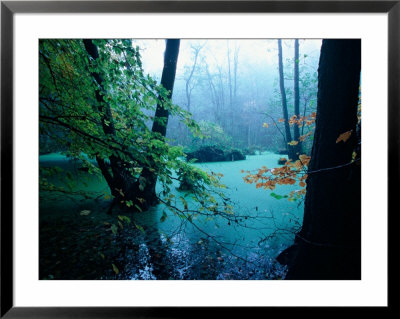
[175,249]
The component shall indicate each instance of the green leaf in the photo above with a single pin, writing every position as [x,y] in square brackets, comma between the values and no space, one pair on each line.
[116,270]
[114,229]
[129,203]
[124,218]
[163,217]
[140,228]
[277,196]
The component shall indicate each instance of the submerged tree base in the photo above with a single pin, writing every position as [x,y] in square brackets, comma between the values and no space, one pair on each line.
[311,262]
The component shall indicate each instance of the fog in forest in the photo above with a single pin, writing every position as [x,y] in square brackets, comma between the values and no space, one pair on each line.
[232,87]
[205,159]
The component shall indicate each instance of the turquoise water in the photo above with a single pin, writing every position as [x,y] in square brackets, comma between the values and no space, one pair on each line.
[213,248]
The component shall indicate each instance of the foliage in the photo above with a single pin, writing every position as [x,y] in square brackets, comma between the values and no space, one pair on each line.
[212,134]
[289,174]
[293,172]
[74,118]
[302,122]
[308,83]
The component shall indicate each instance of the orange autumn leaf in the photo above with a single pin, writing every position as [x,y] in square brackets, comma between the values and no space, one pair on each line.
[302,138]
[304,159]
[304,177]
[344,136]
[302,184]
[298,164]
[293,120]
[281,120]
[292,143]
[289,181]
[265,125]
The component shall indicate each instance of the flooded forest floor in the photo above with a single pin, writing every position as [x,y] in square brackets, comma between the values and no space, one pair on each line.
[77,240]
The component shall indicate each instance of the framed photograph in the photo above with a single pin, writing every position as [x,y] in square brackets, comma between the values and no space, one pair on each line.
[158,156]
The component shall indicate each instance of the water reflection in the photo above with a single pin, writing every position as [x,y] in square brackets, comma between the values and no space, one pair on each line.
[173,248]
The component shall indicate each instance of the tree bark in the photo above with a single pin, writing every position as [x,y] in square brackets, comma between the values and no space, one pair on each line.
[167,81]
[329,244]
[289,148]
[230,89]
[296,129]
[188,89]
[114,173]
[121,180]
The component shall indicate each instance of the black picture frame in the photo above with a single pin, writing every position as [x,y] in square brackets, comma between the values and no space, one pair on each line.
[9,8]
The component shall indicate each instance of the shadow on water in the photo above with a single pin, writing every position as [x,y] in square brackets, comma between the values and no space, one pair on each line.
[164,256]
[157,250]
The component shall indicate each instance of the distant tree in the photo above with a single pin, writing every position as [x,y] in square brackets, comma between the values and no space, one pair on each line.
[189,80]
[303,92]
[231,78]
[215,96]
[288,135]
[296,128]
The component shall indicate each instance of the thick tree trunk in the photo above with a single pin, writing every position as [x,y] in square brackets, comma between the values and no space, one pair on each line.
[296,129]
[291,151]
[329,244]
[167,81]
[122,184]
[115,174]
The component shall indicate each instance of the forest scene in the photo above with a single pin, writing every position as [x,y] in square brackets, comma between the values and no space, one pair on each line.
[199,159]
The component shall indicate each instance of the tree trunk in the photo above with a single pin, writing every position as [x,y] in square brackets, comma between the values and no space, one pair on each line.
[329,244]
[122,184]
[296,129]
[167,81]
[115,173]
[230,90]
[290,148]
[188,89]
